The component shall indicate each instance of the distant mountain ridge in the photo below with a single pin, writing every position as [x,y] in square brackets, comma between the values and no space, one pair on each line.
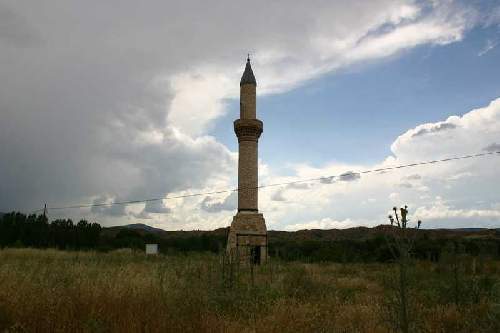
[356,233]
[145,227]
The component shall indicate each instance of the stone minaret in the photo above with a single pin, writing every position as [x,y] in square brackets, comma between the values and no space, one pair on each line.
[247,240]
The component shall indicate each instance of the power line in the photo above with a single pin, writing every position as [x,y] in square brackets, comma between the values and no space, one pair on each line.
[324,178]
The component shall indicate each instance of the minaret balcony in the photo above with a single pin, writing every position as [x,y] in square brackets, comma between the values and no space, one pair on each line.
[248,129]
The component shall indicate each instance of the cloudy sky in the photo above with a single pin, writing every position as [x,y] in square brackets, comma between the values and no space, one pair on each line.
[111,101]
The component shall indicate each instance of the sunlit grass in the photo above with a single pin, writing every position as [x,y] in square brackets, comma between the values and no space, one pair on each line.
[56,291]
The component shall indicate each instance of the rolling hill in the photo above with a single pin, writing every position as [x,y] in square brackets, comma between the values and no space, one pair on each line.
[357,233]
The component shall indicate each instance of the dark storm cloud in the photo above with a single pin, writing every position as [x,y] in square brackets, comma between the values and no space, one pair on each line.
[156,207]
[15,30]
[74,107]
[152,207]
[111,210]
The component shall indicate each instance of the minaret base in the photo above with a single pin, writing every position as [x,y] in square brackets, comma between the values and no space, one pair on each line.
[247,239]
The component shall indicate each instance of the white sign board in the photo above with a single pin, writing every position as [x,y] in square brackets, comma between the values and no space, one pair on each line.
[151,248]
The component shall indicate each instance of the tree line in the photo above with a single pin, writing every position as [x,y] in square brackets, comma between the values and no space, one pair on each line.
[19,230]
[378,249]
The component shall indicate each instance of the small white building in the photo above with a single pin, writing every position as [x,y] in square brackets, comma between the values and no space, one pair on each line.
[151,248]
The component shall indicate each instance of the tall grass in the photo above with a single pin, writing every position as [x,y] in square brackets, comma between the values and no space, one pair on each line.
[56,291]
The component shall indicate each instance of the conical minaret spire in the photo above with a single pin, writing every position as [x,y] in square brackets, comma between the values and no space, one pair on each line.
[248,77]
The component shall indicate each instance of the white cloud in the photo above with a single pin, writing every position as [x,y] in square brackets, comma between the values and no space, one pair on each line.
[441,214]
[278,196]
[198,99]
[427,190]
[460,175]
[394,197]
[474,130]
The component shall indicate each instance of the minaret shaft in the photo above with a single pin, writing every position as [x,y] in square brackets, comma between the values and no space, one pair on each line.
[248,100]
[248,194]
[248,130]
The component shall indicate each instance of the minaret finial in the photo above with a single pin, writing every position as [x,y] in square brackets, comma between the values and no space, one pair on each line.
[248,76]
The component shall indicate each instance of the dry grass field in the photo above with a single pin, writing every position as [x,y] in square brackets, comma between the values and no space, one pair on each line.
[56,291]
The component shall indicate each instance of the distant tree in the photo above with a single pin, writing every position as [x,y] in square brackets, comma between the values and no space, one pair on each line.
[87,235]
[63,234]
[128,239]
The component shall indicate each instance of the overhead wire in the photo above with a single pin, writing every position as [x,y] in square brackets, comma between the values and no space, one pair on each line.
[329,179]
